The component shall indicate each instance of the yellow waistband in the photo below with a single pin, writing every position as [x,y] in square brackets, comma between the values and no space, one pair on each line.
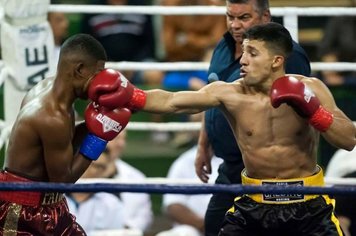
[314,180]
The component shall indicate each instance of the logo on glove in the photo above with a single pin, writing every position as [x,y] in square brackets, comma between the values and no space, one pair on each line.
[124,81]
[108,123]
[308,94]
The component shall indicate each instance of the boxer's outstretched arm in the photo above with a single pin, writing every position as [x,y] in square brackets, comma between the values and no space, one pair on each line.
[161,101]
[111,89]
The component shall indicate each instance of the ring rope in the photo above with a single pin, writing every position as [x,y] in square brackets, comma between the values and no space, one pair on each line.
[176,188]
[329,181]
[183,66]
[167,126]
[137,126]
[197,10]
[287,12]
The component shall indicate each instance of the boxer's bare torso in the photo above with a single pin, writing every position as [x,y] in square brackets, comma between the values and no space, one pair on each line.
[275,143]
[43,140]
[42,116]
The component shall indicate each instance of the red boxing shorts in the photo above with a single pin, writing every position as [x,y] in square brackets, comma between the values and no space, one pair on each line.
[34,213]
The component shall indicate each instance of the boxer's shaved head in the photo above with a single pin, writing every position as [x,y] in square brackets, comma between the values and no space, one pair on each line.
[84,45]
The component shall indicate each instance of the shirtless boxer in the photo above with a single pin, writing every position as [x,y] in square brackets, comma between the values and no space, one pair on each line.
[216,136]
[277,120]
[45,145]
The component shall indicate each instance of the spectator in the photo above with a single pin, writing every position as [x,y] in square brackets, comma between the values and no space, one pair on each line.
[186,38]
[343,165]
[136,206]
[125,37]
[336,46]
[189,38]
[187,80]
[187,211]
[97,211]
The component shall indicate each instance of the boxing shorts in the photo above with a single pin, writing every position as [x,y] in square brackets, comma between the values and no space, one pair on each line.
[282,214]
[34,213]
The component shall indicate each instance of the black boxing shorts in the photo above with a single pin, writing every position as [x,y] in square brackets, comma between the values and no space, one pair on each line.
[282,214]
[34,213]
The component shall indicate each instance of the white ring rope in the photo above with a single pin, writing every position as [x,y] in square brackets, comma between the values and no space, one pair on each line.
[212,10]
[198,10]
[182,66]
[290,14]
[137,126]
[167,126]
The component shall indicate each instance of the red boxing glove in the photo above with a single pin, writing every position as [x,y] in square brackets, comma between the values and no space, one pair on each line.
[105,123]
[106,81]
[296,94]
[111,89]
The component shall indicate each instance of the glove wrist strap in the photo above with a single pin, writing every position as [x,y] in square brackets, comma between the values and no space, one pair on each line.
[321,119]
[92,146]
[138,100]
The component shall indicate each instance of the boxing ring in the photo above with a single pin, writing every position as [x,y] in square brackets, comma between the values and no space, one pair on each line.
[161,185]
[114,186]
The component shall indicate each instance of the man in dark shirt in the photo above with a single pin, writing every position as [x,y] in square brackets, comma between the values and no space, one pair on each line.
[216,135]
[125,37]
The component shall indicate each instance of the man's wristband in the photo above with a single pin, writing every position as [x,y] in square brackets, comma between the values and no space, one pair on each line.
[92,146]
[137,101]
[321,119]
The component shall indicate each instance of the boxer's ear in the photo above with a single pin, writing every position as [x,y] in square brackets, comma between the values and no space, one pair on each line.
[277,61]
[79,70]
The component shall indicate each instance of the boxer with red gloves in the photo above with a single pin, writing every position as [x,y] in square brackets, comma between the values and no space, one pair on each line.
[295,93]
[103,125]
[111,89]
[278,147]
